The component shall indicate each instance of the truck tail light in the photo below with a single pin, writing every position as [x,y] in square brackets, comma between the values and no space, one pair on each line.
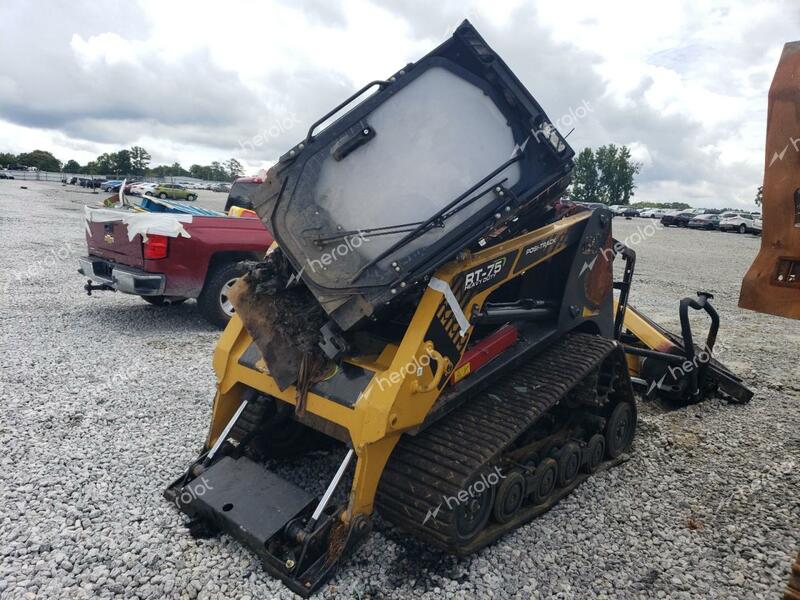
[155,247]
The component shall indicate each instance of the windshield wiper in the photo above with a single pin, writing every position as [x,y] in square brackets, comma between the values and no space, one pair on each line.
[385,230]
[438,218]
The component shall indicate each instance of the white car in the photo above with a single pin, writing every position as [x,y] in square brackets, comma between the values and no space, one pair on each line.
[652,213]
[739,222]
[757,225]
[140,189]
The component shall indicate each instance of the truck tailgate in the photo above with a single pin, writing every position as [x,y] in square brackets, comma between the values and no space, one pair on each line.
[110,240]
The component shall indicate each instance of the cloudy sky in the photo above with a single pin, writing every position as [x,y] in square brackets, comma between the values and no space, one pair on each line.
[683,83]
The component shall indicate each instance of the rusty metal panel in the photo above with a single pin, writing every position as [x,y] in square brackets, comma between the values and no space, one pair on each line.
[772,285]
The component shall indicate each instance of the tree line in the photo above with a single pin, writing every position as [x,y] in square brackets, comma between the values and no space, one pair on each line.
[134,161]
[604,175]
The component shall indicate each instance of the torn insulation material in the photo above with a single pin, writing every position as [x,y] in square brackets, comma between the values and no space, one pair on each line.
[140,223]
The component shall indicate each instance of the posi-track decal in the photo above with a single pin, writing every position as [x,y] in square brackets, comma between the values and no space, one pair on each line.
[541,249]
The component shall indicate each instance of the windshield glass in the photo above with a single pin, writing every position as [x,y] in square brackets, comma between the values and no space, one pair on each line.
[434,139]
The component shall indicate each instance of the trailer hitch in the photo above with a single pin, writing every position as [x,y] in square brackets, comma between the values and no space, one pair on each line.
[101,287]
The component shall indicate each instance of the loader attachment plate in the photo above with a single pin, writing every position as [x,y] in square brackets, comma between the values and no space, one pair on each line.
[270,516]
[246,500]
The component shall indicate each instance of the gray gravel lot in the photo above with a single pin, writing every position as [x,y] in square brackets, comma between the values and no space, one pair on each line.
[105,399]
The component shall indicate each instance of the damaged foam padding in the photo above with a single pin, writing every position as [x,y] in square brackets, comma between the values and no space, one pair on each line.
[141,223]
[284,318]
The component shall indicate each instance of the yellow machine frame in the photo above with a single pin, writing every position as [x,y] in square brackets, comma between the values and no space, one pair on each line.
[392,404]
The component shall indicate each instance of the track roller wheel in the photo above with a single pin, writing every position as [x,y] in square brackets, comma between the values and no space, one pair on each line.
[510,495]
[471,516]
[569,464]
[544,481]
[620,429]
[595,453]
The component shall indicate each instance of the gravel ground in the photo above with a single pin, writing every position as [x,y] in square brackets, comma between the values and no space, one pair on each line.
[105,400]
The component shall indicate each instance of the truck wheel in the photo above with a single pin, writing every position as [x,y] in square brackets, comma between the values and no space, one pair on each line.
[191,197]
[163,300]
[213,301]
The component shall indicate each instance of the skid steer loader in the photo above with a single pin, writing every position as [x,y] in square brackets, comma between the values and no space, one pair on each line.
[429,307]
[772,284]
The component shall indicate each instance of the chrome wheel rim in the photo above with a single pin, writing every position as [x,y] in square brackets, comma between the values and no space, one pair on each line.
[224,301]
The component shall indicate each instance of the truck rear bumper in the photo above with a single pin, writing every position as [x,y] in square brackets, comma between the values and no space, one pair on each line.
[128,280]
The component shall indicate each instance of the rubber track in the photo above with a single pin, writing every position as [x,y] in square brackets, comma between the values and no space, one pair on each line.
[444,458]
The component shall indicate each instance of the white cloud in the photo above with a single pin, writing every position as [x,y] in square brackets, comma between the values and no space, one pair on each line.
[682,83]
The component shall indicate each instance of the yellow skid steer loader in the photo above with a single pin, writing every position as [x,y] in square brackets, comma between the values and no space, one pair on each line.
[435,309]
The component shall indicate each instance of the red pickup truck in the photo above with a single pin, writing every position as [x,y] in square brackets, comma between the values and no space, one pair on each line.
[168,258]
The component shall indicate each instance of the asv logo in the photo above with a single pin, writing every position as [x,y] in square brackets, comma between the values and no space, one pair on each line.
[484,274]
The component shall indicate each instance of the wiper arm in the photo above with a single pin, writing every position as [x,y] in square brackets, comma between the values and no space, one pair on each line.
[385,230]
[440,215]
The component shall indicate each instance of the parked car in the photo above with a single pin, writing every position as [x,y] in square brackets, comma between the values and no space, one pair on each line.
[739,222]
[652,213]
[629,211]
[241,192]
[90,182]
[129,186]
[592,205]
[172,190]
[677,219]
[167,270]
[757,225]
[220,187]
[110,185]
[16,168]
[4,176]
[707,221]
[139,189]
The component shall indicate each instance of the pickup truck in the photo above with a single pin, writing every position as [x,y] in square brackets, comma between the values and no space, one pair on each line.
[168,258]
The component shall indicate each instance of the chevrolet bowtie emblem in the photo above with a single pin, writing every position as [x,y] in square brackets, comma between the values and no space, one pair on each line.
[108,238]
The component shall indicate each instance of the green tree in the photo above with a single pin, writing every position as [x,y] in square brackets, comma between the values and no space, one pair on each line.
[72,166]
[234,169]
[41,159]
[605,175]
[7,158]
[140,158]
[200,171]
[585,178]
[759,195]
[617,171]
[217,172]
[122,162]
[105,164]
